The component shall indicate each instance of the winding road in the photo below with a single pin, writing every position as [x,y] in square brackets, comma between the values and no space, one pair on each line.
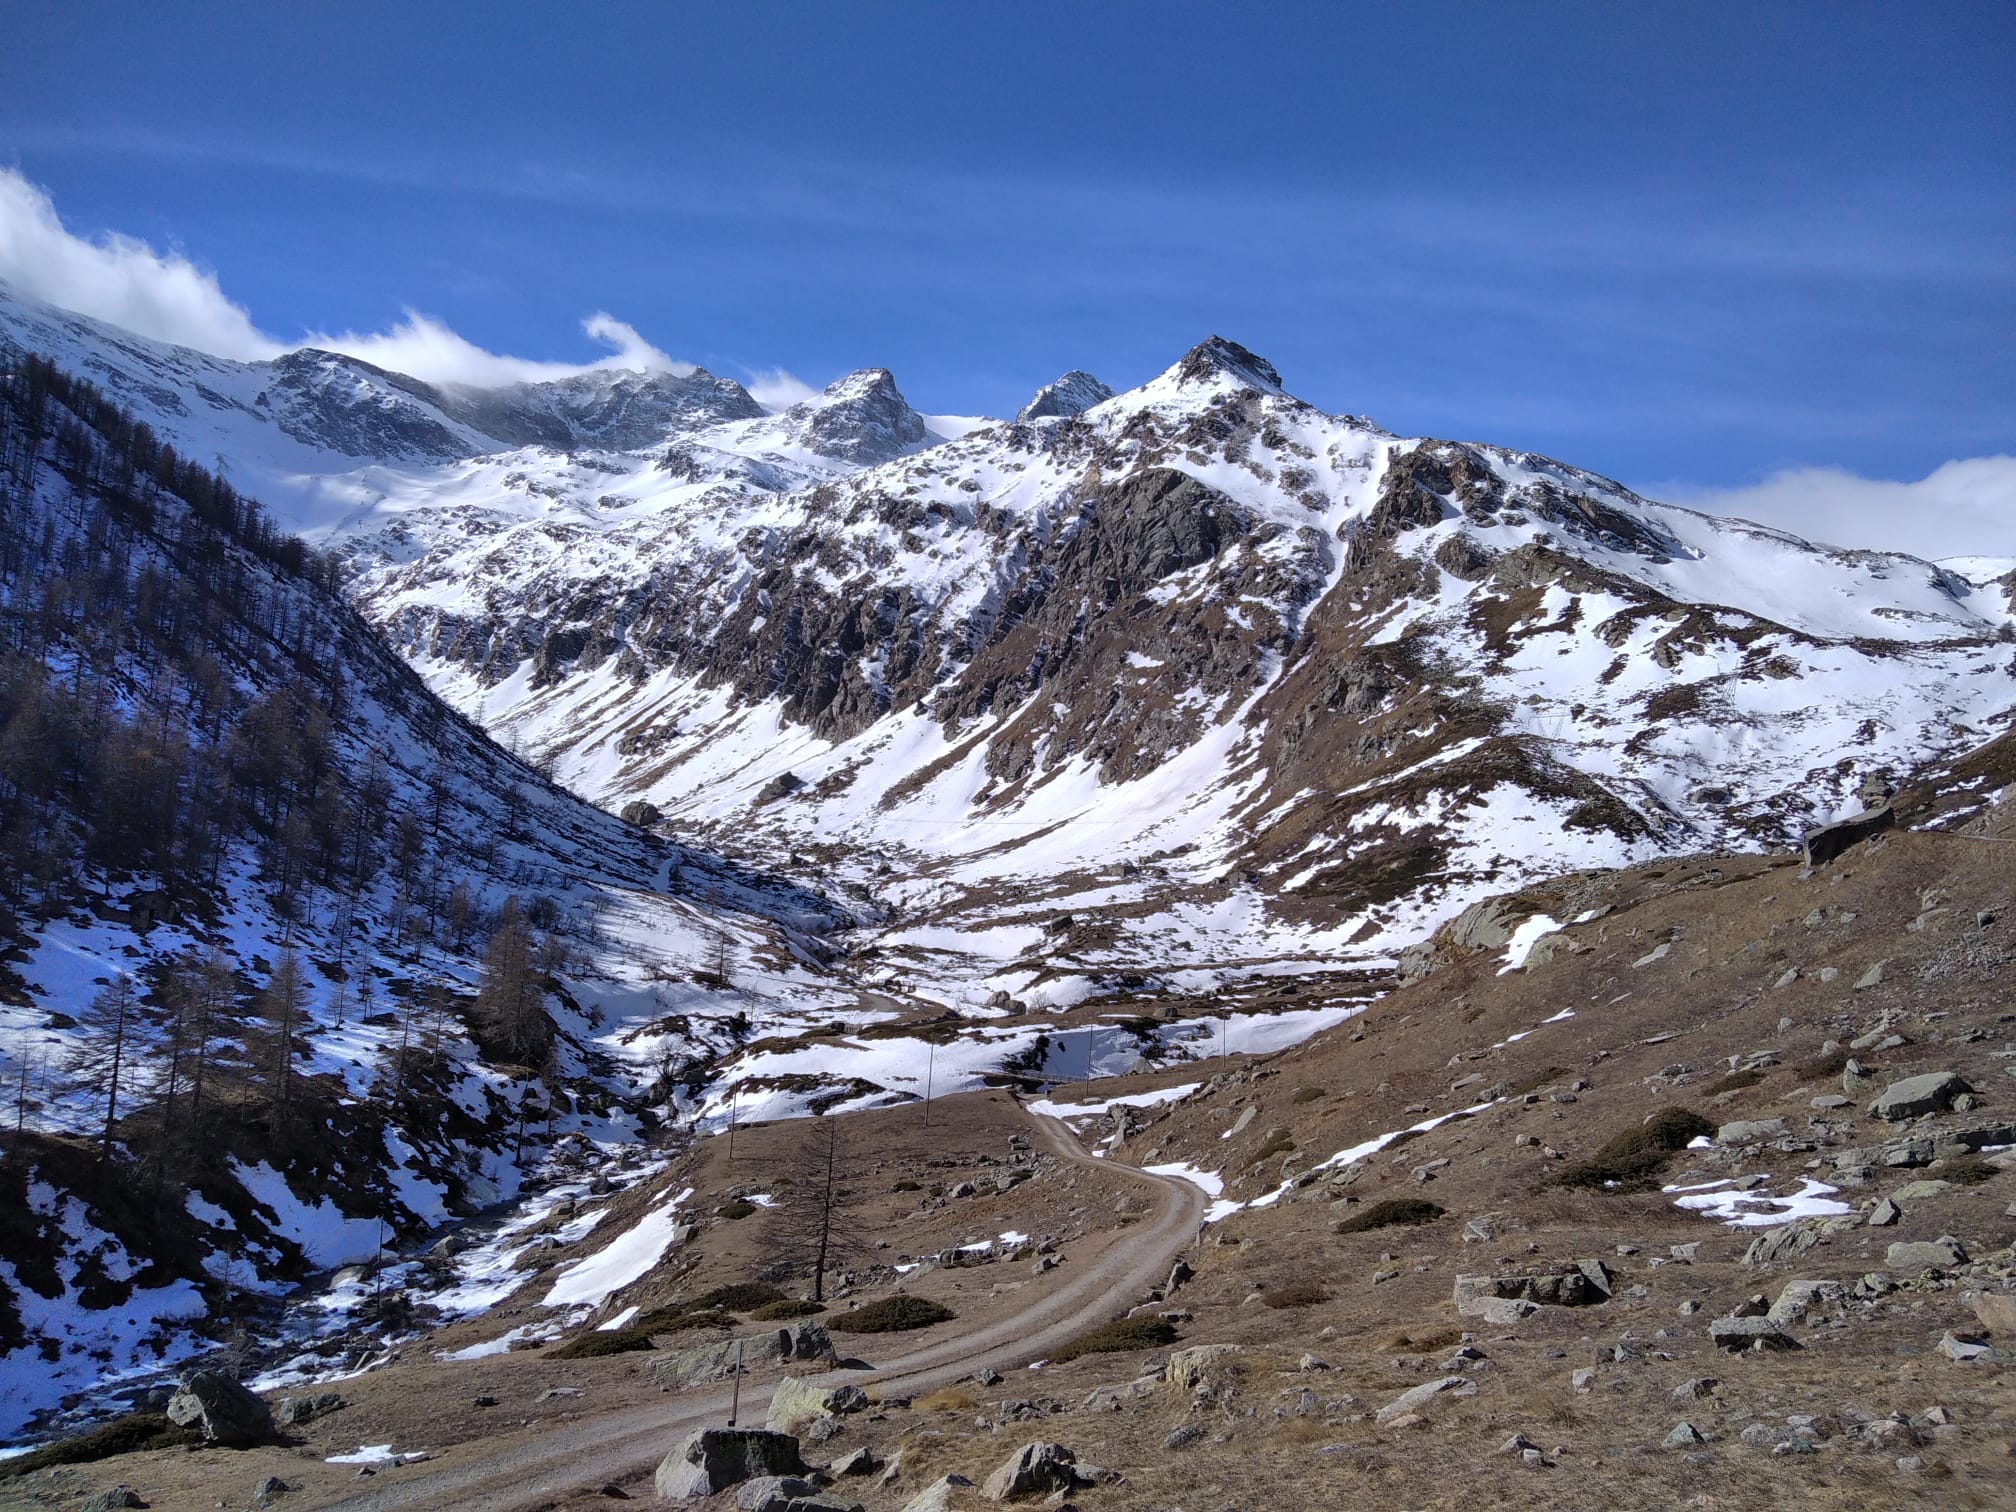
[530,1469]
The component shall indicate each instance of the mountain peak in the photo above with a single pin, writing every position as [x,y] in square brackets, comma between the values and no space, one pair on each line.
[1216,357]
[1073,394]
[862,418]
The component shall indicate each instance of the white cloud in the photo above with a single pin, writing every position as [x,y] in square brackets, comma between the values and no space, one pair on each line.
[127,283]
[424,348]
[1961,508]
[118,279]
[775,389]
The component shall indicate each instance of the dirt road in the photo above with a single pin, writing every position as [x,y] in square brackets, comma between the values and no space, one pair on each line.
[511,1472]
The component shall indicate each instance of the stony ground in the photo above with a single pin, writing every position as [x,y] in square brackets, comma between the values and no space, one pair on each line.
[1780,1005]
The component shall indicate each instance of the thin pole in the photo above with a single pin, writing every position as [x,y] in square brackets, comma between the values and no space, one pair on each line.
[735,1406]
[731,1120]
[930,1067]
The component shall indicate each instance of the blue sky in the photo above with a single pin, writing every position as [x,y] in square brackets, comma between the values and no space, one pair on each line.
[1688,246]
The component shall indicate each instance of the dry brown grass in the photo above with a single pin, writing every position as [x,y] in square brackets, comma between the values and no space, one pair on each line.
[946,1399]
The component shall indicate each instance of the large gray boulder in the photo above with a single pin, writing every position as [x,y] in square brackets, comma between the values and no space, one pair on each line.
[223,1410]
[1942,1253]
[1426,1392]
[1506,1299]
[806,1341]
[787,1493]
[1036,1469]
[1932,1092]
[713,1459]
[796,1405]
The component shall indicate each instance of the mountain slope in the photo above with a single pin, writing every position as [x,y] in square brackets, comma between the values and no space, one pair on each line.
[1296,686]
[290,954]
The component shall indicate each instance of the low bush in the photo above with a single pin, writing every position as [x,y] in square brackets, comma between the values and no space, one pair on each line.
[1821,1067]
[891,1315]
[123,1435]
[1735,1081]
[790,1307]
[738,1209]
[907,1186]
[1967,1170]
[1424,1340]
[1118,1338]
[597,1343]
[1633,1158]
[739,1296]
[1391,1213]
[1307,1094]
[947,1399]
[1298,1294]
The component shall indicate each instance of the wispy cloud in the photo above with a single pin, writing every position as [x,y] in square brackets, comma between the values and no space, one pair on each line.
[1961,508]
[775,389]
[166,296]
[118,279]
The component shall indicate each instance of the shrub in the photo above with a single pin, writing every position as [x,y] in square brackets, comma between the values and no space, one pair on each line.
[1735,1081]
[949,1399]
[891,1315]
[740,1208]
[907,1186]
[1391,1213]
[738,1296]
[1307,1094]
[1424,1340]
[123,1435]
[1299,1294]
[596,1343]
[1821,1067]
[1633,1158]
[1968,1170]
[790,1307]
[1117,1338]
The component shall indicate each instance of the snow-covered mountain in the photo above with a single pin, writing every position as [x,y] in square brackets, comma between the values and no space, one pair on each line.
[253,880]
[1236,684]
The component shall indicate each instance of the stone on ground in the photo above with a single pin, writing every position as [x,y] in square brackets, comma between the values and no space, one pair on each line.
[1932,1092]
[713,1459]
[1036,1469]
[1426,1392]
[225,1411]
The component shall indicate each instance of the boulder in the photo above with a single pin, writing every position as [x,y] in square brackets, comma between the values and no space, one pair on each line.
[1749,1333]
[1830,840]
[1586,1284]
[861,1461]
[1187,1367]
[804,1341]
[1036,1469]
[296,1410]
[1932,1092]
[225,1411]
[713,1459]
[1942,1253]
[1751,1131]
[113,1500]
[1801,1297]
[796,1405]
[1997,1312]
[1683,1436]
[640,813]
[1420,1396]
[942,1495]
[1785,1242]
